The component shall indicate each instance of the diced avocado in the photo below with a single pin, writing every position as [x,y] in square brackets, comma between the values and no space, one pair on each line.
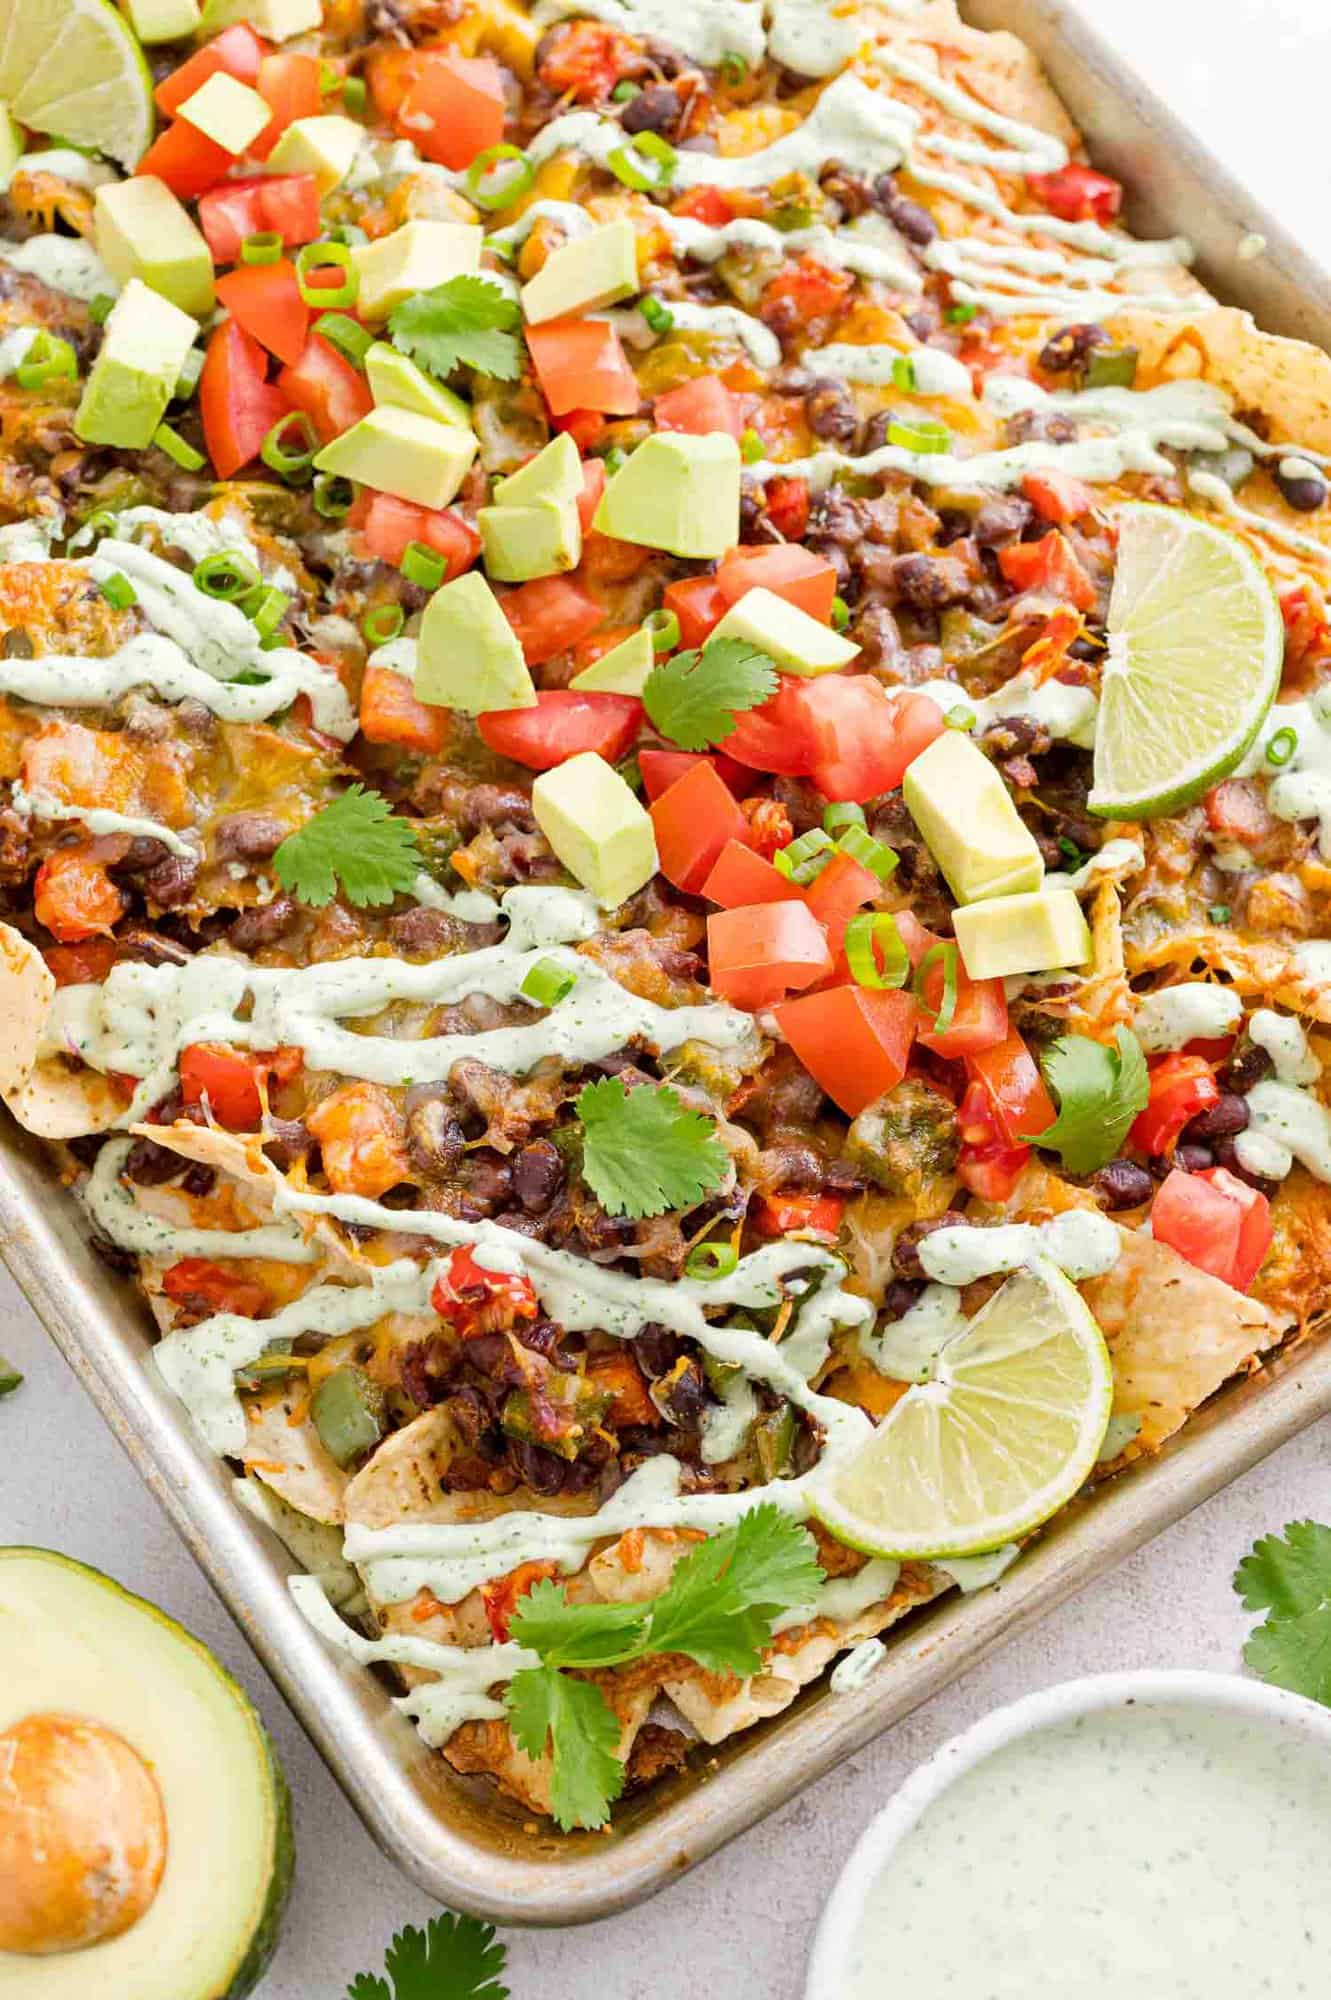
[324,147]
[678,493]
[164,20]
[393,379]
[1038,932]
[414,258]
[624,669]
[799,644]
[584,274]
[400,452]
[597,827]
[520,543]
[279,20]
[144,344]
[554,474]
[226,111]
[142,231]
[128,1743]
[965,812]
[468,655]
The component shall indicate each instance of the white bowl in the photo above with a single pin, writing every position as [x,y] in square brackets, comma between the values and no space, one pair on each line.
[1211,1692]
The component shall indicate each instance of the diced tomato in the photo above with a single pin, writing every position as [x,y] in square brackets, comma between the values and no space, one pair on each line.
[186,159]
[390,70]
[286,204]
[585,427]
[564,723]
[265,299]
[74,897]
[477,1300]
[806,580]
[593,486]
[585,59]
[618,1376]
[660,769]
[813,1214]
[580,365]
[362,1140]
[228,1080]
[979,1018]
[289,84]
[992,1171]
[1077,194]
[391,713]
[788,507]
[779,735]
[706,204]
[739,877]
[550,615]
[1182,1086]
[698,603]
[196,1280]
[237,402]
[1057,496]
[1237,810]
[1008,1074]
[1048,565]
[762,951]
[323,383]
[501,1597]
[1307,628]
[863,738]
[813,289]
[385,526]
[700,406]
[853,1041]
[835,894]
[454,107]
[237,51]
[1216,1221]
[693,820]
[85,964]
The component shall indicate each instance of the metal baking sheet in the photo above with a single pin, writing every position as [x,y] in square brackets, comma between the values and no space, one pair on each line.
[456,1837]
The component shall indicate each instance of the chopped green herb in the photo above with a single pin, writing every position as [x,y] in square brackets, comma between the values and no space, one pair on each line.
[694,697]
[1288,1576]
[453,1958]
[643,1152]
[1100,1090]
[466,322]
[355,842]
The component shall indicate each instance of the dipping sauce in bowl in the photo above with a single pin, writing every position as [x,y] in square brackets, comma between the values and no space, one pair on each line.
[1157,1834]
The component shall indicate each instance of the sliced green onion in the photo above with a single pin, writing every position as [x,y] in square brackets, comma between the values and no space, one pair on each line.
[624,90]
[314,258]
[333,496]
[49,358]
[264,247]
[347,335]
[647,166]
[806,857]
[792,215]
[1070,851]
[330,79]
[178,449]
[188,379]
[354,96]
[99,307]
[227,575]
[279,454]
[734,67]
[658,317]
[1282,747]
[547,983]
[903,371]
[346,232]
[664,628]
[840,614]
[1111,367]
[1219,913]
[499,176]
[875,951]
[946,956]
[423,565]
[614,459]
[843,813]
[383,623]
[960,717]
[709,1261]
[267,607]
[872,854]
[919,434]
[962,315]
[118,590]
[751,447]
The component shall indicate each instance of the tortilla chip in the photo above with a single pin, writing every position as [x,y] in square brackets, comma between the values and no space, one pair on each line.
[47,1097]
[284,1449]
[1286,381]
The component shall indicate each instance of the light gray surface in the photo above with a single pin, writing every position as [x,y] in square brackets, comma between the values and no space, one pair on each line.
[1251,75]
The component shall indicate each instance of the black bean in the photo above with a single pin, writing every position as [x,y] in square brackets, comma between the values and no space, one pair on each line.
[915,223]
[906,1250]
[199,1180]
[264,924]
[1301,485]
[1122,1184]
[656,1348]
[423,930]
[1001,521]
[1226,1156]
[900,1296]
[171,882]
[656,108]
[540,1471]
[1249,1067]
[286,1141]
[830,410]
[149,1165]
[1222,1121]
[435,1139]
[249,836]
[683,1397]
[538,1171]
[1193,1159]
[1070,346]
[1040,427]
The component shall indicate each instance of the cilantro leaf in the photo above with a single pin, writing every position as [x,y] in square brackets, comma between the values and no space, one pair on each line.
[643,1153]
[1294,1653]
[576,1635]
[720,1602]
[693,697]
[1288,1574]
[356,841]
[574,1719]
[465,322]
[453,1958]
[1100,1090]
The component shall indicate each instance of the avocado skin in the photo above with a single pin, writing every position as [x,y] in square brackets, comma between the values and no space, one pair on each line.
[243,1979]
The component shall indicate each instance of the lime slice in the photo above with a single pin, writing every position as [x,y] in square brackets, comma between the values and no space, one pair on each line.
[999,1439]
[1195,648]
[74,68]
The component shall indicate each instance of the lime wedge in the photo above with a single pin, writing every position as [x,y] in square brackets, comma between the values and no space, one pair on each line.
[999,1439]
[74,68]
[1195,649]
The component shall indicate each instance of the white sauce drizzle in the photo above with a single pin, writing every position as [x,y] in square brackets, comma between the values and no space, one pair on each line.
[1068,714]
[853,1672]
[852,248]
[1194,1011]
[1300,786]
[65,163]
[1082,1243]
[725,322]
[906,1349]
[1286,1122]
[97,819]
[66,263]
[707,30]
[1218,495]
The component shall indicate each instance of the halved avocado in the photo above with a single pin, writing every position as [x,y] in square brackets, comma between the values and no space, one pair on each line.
[117,1720]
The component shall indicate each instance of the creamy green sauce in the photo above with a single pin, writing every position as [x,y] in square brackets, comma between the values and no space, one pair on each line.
[907,1348]
[65,263]
[1194,1011]
[1300,783]
[857,246]
[1081,1242]
[1069,714]
[97,819]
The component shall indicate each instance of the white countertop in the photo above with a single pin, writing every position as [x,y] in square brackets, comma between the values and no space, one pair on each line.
[1251,75]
